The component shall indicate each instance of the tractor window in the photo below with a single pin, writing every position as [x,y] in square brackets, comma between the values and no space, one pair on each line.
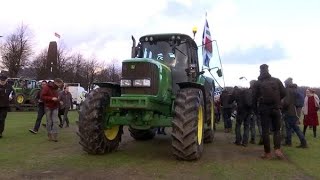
[163,51]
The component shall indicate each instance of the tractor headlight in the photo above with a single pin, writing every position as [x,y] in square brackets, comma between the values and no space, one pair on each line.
[125,83]
[142,83]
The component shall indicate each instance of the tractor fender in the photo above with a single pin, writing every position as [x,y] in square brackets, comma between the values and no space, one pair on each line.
[183,85]
[114,87]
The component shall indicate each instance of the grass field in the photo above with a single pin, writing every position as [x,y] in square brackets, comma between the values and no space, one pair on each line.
[27,156]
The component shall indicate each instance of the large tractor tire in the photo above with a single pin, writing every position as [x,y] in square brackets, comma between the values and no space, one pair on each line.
[188,124]
[210,120]
[142,135]
[94,138]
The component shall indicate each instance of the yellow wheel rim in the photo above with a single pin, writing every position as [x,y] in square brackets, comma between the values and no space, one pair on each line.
[212,114]
[20,99]
[200,124]
[111,133]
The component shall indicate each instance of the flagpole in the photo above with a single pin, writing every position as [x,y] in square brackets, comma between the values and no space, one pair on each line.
[224,84]
[205,21]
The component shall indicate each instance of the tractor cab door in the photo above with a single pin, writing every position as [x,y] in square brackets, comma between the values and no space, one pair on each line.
[179,70]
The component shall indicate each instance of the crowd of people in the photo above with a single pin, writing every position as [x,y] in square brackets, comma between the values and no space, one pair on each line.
[54,100]
[270,107]
[268,104]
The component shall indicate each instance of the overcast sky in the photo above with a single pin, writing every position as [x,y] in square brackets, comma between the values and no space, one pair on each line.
[283,34]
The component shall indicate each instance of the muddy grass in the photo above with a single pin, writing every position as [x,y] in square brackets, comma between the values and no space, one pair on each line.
[216,155]
[137,160]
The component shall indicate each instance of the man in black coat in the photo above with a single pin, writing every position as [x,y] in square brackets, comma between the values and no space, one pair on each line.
[244,105]
[268,92]
[6,95]
[227,105]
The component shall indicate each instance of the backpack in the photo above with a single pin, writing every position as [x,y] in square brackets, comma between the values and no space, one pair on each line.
[270,92]
[299,99]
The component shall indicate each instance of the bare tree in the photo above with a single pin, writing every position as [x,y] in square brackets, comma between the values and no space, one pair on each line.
[64,60]
[90,70]
[39,64]
[16,50]
[111,73]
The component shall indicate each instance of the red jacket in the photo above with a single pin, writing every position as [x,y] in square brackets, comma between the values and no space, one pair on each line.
[47,93]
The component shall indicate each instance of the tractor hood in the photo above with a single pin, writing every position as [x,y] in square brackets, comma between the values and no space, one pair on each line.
[144,76]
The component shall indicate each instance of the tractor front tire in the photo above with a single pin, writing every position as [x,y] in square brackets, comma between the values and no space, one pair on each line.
[142,135]
[188,124]
[94,138]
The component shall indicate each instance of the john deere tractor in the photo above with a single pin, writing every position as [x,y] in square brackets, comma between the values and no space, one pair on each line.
[26,91]
[161,86]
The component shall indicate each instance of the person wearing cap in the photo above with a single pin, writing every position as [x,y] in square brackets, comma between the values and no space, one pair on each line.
[50,95]
[268,92]
[6,95]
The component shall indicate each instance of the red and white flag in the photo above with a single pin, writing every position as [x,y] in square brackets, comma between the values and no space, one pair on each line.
[57,35]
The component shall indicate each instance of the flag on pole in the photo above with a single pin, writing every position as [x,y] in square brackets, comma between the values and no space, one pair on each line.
[206,44]
[57,35]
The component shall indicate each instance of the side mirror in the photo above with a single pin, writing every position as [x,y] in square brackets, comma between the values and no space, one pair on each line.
[219,72]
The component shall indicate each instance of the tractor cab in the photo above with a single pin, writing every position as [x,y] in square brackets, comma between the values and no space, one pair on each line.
[177,51]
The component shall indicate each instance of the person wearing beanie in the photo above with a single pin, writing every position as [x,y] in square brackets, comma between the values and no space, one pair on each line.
[268,92]
[290,116]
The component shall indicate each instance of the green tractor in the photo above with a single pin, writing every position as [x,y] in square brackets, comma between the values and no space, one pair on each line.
[26,91]
[161,86]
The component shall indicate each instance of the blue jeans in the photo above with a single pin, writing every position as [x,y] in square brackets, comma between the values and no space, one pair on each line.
[227,118]
[52,120]
[291,124]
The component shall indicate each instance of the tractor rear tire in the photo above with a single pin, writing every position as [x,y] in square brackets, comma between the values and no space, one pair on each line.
[93,137]
[188,124]
[142,135]
[210,121]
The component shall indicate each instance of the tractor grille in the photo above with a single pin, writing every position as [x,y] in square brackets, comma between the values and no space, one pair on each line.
[140,70]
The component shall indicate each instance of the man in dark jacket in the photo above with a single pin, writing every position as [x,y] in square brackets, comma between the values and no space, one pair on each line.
[41,110]
[254,119]
[244,104]
[227,106]
[6,95]
[268,92]
[291,117]
[49,95]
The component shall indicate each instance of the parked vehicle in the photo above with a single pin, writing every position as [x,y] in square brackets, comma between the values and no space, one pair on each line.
[26,91]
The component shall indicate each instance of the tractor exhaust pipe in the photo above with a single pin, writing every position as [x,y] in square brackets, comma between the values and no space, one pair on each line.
[133,48]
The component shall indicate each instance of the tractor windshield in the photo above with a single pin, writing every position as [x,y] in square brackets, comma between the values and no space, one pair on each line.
[173,55]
